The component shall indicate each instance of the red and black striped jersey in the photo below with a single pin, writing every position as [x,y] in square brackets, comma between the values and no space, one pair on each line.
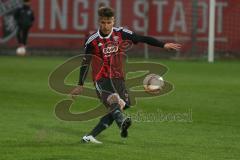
[106,54]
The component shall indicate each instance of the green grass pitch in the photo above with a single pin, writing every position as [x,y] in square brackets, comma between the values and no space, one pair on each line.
[29,129]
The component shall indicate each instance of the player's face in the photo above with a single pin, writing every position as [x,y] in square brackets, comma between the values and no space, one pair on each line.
[106,24]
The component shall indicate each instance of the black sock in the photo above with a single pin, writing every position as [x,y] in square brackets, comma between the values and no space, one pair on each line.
[104,123]
[97,130]
[118,116]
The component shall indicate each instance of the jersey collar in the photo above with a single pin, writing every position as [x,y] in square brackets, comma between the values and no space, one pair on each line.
[106,36]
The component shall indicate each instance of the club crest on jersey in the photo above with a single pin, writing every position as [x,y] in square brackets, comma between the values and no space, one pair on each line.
[110,48]
[115,38]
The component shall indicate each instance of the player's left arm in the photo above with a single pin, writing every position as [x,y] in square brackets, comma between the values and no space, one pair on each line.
[136,38]
[154,42]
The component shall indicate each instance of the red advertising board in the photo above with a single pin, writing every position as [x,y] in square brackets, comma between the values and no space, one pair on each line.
[65,23]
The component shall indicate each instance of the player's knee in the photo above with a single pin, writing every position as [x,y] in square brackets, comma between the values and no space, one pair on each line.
[113,99]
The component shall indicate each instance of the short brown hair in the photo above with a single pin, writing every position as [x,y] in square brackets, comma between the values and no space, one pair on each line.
[106,12]
[101,5]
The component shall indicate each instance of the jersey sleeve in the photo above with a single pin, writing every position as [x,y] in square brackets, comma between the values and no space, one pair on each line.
[129,35]
[136,38]
[85,63]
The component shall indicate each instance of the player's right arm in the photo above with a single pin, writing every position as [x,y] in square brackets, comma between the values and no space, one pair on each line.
[83,70]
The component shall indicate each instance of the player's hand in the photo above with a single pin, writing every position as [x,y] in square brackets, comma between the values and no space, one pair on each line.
[76,91]
[172,46]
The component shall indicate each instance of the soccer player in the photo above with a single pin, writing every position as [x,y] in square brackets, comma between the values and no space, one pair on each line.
[24,18]
[104,53]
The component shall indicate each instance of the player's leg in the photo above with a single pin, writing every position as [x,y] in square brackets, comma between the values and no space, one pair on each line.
[105,92]
[109,98]
[19,35]
[106,120]
[25,35]
[103,124]
[121,90]
[123,122]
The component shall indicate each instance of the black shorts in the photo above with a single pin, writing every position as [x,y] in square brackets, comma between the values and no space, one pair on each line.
[106,87]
